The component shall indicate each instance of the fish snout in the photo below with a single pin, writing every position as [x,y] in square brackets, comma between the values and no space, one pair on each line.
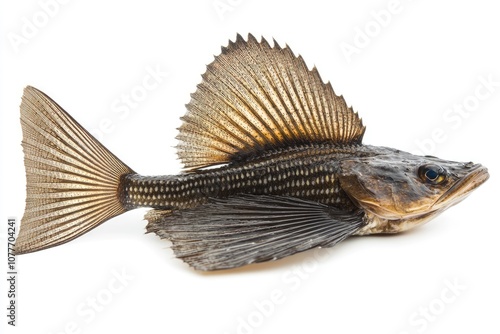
[472,176]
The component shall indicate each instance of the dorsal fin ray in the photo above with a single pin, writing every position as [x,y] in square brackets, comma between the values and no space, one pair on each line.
[256,97]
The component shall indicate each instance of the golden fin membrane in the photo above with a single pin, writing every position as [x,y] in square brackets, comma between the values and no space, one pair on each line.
[255,97]
[72,181]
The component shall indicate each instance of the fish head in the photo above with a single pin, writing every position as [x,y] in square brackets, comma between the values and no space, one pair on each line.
[399,190]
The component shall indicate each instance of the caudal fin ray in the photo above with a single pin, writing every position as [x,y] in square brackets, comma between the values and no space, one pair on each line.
[72,181]
[40,141]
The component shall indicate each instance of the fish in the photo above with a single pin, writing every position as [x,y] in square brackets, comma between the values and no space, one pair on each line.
[274,165]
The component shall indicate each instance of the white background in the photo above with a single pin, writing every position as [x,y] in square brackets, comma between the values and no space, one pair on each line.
[422,61]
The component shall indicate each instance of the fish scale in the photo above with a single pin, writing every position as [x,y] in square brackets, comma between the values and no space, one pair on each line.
[302,172]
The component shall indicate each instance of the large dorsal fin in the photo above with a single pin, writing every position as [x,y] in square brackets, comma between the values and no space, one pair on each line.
[255,97]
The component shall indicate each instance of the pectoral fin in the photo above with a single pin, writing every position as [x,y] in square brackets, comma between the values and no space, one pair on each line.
[232,232]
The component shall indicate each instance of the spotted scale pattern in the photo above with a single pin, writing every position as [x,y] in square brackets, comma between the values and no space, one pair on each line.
[301,172]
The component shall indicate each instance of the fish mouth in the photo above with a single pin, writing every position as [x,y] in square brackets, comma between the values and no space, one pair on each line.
[460,190]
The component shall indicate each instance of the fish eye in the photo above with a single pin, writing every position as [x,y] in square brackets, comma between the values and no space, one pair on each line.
[433,174]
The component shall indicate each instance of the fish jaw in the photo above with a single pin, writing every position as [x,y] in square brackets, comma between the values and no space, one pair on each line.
[380,225]
[462,189]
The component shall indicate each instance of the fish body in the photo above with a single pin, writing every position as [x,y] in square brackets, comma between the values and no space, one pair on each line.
[274,165]
[309,173]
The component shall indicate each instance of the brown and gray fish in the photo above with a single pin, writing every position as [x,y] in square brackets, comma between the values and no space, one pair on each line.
[291,172]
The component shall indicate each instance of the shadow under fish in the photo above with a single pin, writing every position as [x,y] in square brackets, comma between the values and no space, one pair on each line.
[291,170]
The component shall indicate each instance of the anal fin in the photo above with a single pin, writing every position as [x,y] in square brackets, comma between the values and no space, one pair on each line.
[232,232]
